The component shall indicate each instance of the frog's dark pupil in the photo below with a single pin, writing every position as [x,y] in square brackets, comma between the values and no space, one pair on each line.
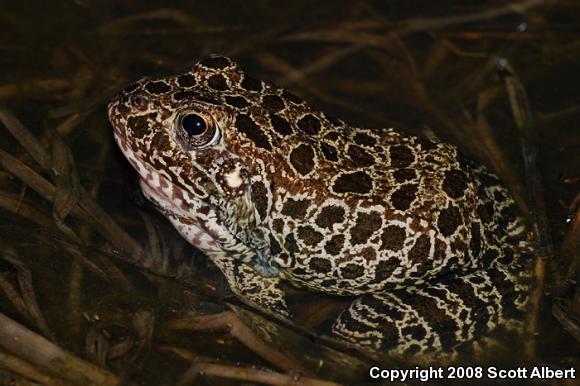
[193,124]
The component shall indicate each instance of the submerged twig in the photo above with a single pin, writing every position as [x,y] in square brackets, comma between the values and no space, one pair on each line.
[24,298]
[86,207]
[410,26]
[43,354]
[431,24]
[568,320]
[18,366]
[249,374]
[228,321]
[543,243]
[566,309]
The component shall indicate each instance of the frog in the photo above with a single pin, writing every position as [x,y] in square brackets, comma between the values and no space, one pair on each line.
[427,245]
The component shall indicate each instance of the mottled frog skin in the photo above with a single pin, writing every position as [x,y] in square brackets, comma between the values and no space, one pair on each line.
[273,190]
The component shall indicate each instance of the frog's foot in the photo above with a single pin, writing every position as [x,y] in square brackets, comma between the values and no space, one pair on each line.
[257,290]
[437,317]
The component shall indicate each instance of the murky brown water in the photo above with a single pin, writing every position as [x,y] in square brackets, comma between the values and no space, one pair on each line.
[425,69]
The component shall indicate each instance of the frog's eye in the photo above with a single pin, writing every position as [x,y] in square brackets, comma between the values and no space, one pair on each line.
[199,130]
[193,124]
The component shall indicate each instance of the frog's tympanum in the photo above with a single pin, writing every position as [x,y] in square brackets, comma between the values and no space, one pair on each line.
[276,192]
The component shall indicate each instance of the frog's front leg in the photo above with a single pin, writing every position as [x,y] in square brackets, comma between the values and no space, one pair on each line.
[257,258]
[243,239]
[215,235]
[263,293]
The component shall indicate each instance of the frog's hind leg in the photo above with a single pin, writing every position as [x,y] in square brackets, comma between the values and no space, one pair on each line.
[436,317]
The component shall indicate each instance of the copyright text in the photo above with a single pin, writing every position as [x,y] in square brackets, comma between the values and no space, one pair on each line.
[468,372]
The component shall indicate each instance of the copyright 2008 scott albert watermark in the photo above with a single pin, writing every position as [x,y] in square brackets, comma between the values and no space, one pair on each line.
[426,374]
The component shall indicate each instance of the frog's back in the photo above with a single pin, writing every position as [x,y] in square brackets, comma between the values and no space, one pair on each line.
[353,210]
[347,210]
[390,214]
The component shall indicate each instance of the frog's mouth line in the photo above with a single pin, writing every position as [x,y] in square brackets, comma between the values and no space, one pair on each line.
[166,193]
[171,199]
[161,188]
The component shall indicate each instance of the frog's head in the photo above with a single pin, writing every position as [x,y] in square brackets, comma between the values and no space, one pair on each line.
[197,139]
[188,130]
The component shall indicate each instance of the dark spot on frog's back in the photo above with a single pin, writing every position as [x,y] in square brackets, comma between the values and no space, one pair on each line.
[360,156]
[291,97]
[416,332]
[309,235]
[475,242]
[364,139]
[330,215]
[440,251]
[448,221]
[369,254]
[295,208]
[366,224]
[403,175]
[332,136]
[334,245]
[181,95]
[246,125]
[309,124]
[280,125]
[403,197]
[237,101]
[157,87]
[130,88]
[290,244]
[274,246]
[218,82]
[352,271]
[320,265]
[356,182]
[215,62]
[251,84]
[420,250]
[272,103]
[489,257]
[302,159]
[455,183]
[425,143]
[485,212]
[385,269]
[401,156]
[393,238]
[186,80]
[329,151]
